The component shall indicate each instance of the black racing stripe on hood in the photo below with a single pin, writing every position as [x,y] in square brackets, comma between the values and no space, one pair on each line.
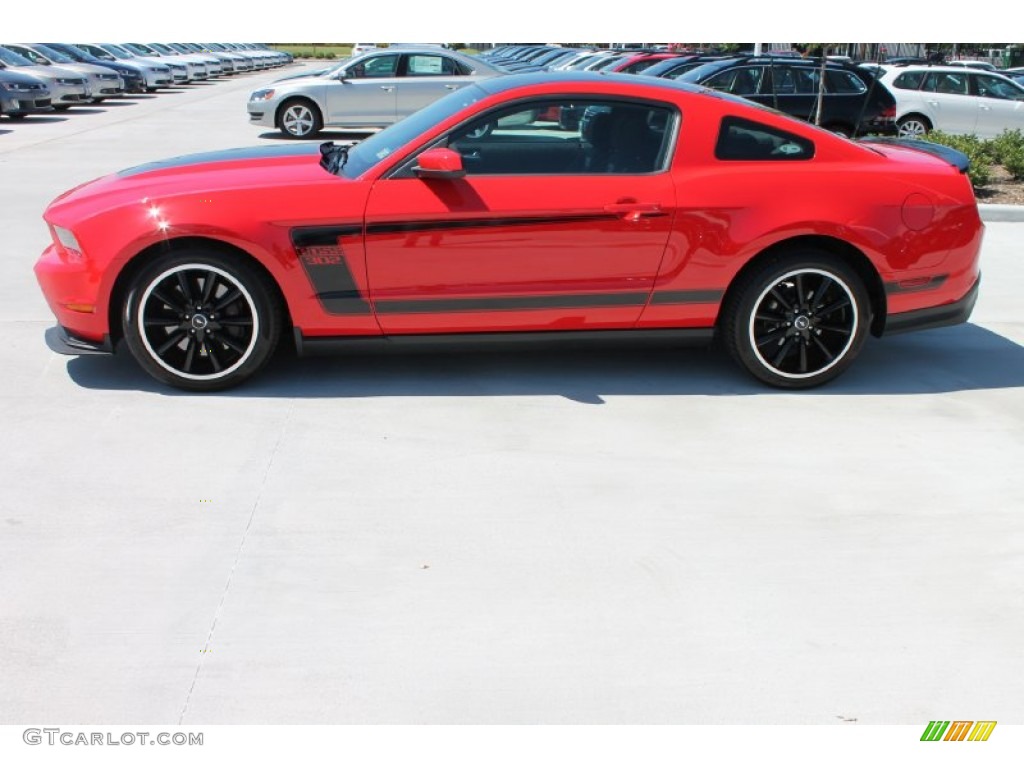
[222,156]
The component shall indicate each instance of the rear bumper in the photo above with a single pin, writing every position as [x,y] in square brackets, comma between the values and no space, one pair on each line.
[934,317]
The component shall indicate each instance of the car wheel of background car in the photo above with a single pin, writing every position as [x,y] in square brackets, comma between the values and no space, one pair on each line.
[96,101]
[299,119]
[16,115]
[797,320]
[62,107]
[913,126]
[201,320]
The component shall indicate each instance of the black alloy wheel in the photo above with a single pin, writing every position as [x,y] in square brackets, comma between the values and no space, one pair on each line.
[201,320]
[798,321]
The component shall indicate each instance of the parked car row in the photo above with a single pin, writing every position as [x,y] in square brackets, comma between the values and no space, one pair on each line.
[42,77]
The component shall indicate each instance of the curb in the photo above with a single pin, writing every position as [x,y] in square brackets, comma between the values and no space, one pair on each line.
[1001,212]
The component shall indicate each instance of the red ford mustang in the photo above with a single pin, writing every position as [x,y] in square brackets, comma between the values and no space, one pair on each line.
[665,210]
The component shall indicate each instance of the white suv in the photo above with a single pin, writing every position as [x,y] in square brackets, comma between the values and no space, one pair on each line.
[954,100]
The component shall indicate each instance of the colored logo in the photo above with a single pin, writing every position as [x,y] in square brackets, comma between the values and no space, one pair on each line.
[958,730]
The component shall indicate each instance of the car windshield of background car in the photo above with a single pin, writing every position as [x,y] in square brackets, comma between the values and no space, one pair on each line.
[12,59]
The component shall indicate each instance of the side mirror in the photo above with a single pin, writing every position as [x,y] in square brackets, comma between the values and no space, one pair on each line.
[439,163]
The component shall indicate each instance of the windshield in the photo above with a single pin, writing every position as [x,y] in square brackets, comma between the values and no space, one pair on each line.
[137,49]
[118,51]
[371,151]
[161,48]
[12,59]
[54,55]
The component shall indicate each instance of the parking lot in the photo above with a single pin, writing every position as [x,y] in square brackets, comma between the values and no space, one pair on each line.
[581,536]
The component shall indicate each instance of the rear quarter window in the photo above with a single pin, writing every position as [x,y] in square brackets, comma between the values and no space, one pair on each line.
[909,81]
[742,139]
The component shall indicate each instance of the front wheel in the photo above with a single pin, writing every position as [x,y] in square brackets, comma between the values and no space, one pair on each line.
[798,321]
[300,119]
[201,320]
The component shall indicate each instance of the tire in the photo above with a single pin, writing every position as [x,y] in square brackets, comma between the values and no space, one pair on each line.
[299,119]
[913,126]
[150,89]
[15,115]
[96,101]
[230,337]
[62,108]
[798,320]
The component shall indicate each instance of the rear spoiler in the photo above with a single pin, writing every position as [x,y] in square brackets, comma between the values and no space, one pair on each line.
[954,157]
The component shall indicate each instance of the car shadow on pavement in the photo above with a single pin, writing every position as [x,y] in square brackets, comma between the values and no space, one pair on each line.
[37,119]
[963,358]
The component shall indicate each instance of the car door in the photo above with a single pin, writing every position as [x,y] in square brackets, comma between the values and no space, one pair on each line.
[426,78]
[1000,105]
[365,93]
[947,97]
[551,228]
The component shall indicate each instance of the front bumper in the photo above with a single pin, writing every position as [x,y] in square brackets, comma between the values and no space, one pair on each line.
[72,290]
[934,317]
[262,113]
[25,104]
[62,341]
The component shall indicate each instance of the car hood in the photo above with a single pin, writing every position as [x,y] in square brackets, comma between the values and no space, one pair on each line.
[199,176]
[22,78]
[48,72]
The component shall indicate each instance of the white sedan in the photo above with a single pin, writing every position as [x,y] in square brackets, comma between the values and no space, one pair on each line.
[954,100]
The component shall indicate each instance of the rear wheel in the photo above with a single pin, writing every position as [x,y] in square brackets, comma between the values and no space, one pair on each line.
[300,119]
[201,320]
[797,321]
[913,126]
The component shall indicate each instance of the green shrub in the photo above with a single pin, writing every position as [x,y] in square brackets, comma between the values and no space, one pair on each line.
[1013,161]
[1006,145]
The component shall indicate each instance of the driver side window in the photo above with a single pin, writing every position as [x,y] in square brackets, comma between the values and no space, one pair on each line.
[567,136]
[375,66]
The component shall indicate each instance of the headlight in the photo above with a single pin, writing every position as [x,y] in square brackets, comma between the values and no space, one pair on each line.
[263,95]
[69,81]
[20,87]
[68,243]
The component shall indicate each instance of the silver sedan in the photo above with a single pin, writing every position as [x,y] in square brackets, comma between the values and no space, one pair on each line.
[372,90]
[103,83]
[66,87]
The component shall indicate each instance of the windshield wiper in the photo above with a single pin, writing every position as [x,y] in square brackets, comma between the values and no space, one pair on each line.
[333,156]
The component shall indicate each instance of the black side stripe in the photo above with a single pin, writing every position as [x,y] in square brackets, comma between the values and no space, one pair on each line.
[687,297]
[510,303]
[560,301]
[925,285]
[323,258]
[396,227]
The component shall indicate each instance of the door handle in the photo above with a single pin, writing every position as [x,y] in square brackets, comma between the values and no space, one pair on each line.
[934,103]
[451,87]
[633,211]
[388,88]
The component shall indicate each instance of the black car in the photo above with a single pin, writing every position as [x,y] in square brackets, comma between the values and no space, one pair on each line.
[22,94]
[853,103]
[133,82]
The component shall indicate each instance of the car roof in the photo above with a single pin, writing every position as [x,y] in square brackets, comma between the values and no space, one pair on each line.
[568,78]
